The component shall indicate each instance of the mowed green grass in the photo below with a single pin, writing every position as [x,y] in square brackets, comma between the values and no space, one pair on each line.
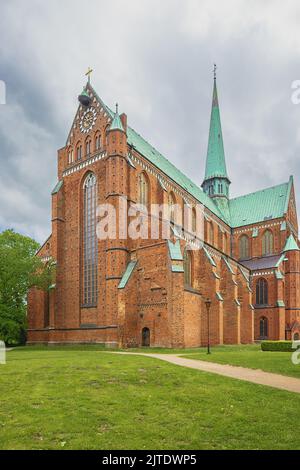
[250,356]
[88,399]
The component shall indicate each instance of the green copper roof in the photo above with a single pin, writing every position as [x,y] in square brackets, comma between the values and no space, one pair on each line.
[175,251]
[291,244]
[126,276]
[215,160]
[84,92]
[259,206]
[57,187]
[116,123]
[158,160]
[177,269]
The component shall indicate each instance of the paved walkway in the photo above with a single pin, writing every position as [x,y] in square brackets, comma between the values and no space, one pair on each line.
[256,376]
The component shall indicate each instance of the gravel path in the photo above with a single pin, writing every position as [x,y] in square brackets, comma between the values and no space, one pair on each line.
[256,376]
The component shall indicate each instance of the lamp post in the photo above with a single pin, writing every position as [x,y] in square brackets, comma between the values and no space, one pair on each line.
[208,305]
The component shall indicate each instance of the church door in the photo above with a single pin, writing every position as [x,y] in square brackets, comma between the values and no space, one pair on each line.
[146,337]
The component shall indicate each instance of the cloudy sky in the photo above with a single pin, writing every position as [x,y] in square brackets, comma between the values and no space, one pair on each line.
[155,58]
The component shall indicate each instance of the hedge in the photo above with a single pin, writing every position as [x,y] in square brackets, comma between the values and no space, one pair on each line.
[283,346]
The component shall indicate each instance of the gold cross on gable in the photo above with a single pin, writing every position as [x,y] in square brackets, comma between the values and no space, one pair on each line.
[88,74]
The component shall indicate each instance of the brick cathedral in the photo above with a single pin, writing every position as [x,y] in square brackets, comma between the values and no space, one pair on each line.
[145,291]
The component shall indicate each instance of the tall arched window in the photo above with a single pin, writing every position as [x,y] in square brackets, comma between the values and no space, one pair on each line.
[171,203]
[194,220]
[210,233]
[90,246]
[263,328]
[244,247]
[225,242]
[187,265]
[262,292]
[267,243]
[143,190]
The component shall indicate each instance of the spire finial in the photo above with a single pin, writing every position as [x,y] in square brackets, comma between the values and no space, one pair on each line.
[215,71]
[117,108]
[88,74]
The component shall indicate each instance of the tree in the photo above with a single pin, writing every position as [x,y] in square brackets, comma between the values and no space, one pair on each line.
[20,269]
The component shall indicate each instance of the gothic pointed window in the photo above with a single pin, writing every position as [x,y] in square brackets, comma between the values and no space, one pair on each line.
[143,190]
[194,220]
[90,245]
[187,265]
[262,292]
[210,233]
[244,247]
[263,328]
[88,147]
[225,242]
[267,243]
[70,156]
[171,204]
[97,142]
[78,152]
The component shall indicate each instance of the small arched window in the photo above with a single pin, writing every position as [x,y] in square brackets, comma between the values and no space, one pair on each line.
[244,247]
[263,328]
[79,152]
[172,203]
[262,292]
[88,147]
[106,134]
[70,156]
[296,336]
[143,190]
[97,142]
[187,265]
[267,243]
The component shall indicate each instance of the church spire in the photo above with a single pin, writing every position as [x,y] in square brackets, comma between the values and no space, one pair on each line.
[216,182]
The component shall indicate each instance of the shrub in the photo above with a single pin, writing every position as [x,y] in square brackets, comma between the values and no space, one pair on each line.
[282,346]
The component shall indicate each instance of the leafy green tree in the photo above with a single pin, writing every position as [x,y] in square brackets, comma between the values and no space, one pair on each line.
[20,269]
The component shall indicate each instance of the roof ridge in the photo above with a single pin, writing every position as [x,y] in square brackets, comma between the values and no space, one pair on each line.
[209,201]
[150,145]
[260,190]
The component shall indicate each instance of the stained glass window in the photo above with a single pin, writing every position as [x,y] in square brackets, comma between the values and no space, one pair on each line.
[90,247]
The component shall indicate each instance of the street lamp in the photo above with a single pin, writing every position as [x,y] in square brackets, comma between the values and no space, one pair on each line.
[208,305]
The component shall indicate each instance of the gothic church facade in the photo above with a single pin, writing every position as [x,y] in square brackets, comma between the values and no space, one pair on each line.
[132,292]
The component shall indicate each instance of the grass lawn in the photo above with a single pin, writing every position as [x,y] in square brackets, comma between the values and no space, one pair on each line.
[250,356]
[83,398]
